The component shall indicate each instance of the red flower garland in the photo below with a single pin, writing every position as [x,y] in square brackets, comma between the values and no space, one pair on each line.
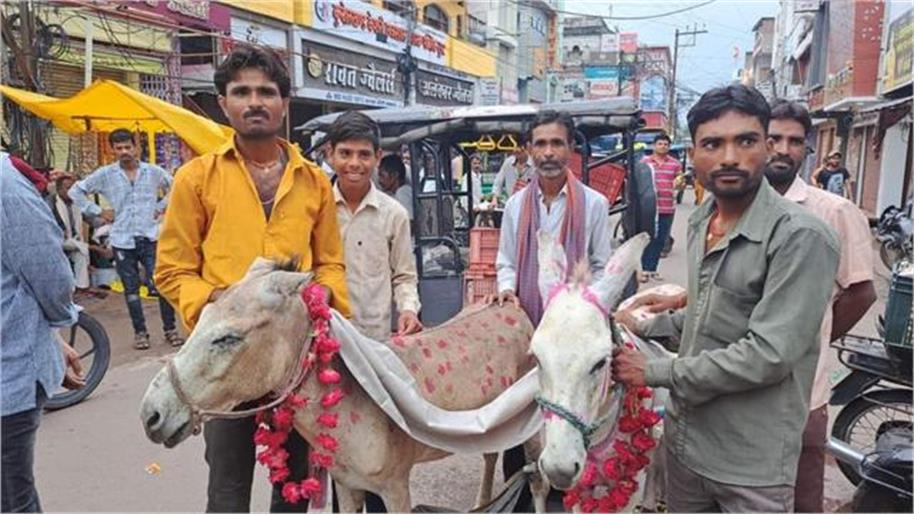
[614,475]
[273,426]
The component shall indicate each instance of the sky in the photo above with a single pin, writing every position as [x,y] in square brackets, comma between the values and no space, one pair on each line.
[711,61]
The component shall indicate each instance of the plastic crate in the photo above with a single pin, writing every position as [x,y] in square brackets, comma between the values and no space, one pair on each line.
[608,179]
[898,313]
[475,289]
[483,246]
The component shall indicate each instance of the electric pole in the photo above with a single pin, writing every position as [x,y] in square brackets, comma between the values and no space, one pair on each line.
[406,64]
[674,116]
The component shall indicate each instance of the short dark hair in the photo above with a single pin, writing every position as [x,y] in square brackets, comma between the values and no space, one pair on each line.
[393,164]
[244,57]
[548,117]
[782,109]
[354,125]
[662,137]
[735,97]
[120,135]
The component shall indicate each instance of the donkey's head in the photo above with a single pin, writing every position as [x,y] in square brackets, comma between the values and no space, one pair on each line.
[573,348]
[244,346]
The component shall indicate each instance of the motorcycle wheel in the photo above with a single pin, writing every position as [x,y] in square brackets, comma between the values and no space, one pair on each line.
[866,417]
[870,497]
[89,338]
[890,255]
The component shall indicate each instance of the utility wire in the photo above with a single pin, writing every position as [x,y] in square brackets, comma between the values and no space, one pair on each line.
[523,3]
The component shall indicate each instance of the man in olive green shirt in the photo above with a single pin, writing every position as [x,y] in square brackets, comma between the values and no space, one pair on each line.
[761,271]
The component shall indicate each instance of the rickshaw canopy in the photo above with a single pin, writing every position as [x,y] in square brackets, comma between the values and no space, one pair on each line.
[405,125]
[107,105]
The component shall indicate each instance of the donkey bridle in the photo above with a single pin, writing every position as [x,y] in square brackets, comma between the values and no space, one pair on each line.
[586,429]
[199,416]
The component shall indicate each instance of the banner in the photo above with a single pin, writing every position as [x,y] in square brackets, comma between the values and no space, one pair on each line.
[653,94]
[899,47]
[365,23]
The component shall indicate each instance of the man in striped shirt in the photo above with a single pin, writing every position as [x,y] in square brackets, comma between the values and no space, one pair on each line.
[664,168]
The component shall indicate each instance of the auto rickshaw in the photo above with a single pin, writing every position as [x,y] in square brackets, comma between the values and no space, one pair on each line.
[430,138]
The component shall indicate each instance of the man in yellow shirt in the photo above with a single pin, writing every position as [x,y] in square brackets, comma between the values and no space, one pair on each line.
[254,196]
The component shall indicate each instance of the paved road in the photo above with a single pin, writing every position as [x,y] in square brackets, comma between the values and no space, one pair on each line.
[93,457]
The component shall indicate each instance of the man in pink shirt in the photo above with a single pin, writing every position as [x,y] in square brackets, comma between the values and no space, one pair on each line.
[853,291]
[664,168]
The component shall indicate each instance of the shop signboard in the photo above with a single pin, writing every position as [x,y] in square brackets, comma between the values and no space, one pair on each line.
[434,89]
[899,46]
[653,94]
[628,42]
[190,13]
[574,88]
[602,81]
[337,75]
[609,43]
[247,31]
[365,23]
[489,93]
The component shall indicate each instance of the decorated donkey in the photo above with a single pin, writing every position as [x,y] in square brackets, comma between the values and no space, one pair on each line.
[597,437]
[249,343]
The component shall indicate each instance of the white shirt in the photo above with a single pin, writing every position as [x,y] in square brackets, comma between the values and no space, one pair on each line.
[507,176]
[596,224]
[380,265]
[477,188]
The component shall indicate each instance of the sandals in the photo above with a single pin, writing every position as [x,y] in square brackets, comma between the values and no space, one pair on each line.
[173,338]
[141,341]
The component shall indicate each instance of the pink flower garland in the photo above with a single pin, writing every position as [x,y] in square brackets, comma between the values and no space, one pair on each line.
[273,426]
[614,475]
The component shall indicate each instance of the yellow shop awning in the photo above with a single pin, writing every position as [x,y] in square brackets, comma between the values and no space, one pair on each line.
[107,105]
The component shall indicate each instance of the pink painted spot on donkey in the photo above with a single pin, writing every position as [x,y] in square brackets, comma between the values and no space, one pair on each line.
[429,385]
[427,352]
[442,344]
[354,417]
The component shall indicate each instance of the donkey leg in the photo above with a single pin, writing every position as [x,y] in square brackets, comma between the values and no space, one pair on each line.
[488,475]
[350,500]
[539,487]
[396,495]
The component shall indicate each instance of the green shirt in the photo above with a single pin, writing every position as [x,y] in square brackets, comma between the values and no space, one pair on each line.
[740,386]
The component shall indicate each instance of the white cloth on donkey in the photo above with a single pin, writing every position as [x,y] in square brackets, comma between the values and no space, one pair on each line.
[507,421]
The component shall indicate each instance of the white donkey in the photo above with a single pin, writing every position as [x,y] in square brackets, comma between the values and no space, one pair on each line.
[248,342]
[573,347]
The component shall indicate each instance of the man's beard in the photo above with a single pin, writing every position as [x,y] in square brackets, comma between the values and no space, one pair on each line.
[749,184]
[259,134]
[550,169]
[777,175]
[262,132]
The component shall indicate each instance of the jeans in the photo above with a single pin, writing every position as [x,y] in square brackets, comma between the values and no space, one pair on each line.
[651,256]
[128,263]
[230,454]
[18,478]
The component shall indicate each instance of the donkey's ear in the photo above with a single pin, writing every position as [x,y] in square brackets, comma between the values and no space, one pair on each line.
[552,263]
[259,267]
[619,270]
[288,283]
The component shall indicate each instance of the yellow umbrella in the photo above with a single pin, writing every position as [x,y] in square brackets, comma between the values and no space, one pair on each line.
[107,105]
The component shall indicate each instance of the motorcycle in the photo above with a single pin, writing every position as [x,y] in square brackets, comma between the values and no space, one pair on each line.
[873,435]
[894,232]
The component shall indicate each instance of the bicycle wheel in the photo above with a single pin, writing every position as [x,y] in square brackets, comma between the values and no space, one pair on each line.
[866,417]
[89,338]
